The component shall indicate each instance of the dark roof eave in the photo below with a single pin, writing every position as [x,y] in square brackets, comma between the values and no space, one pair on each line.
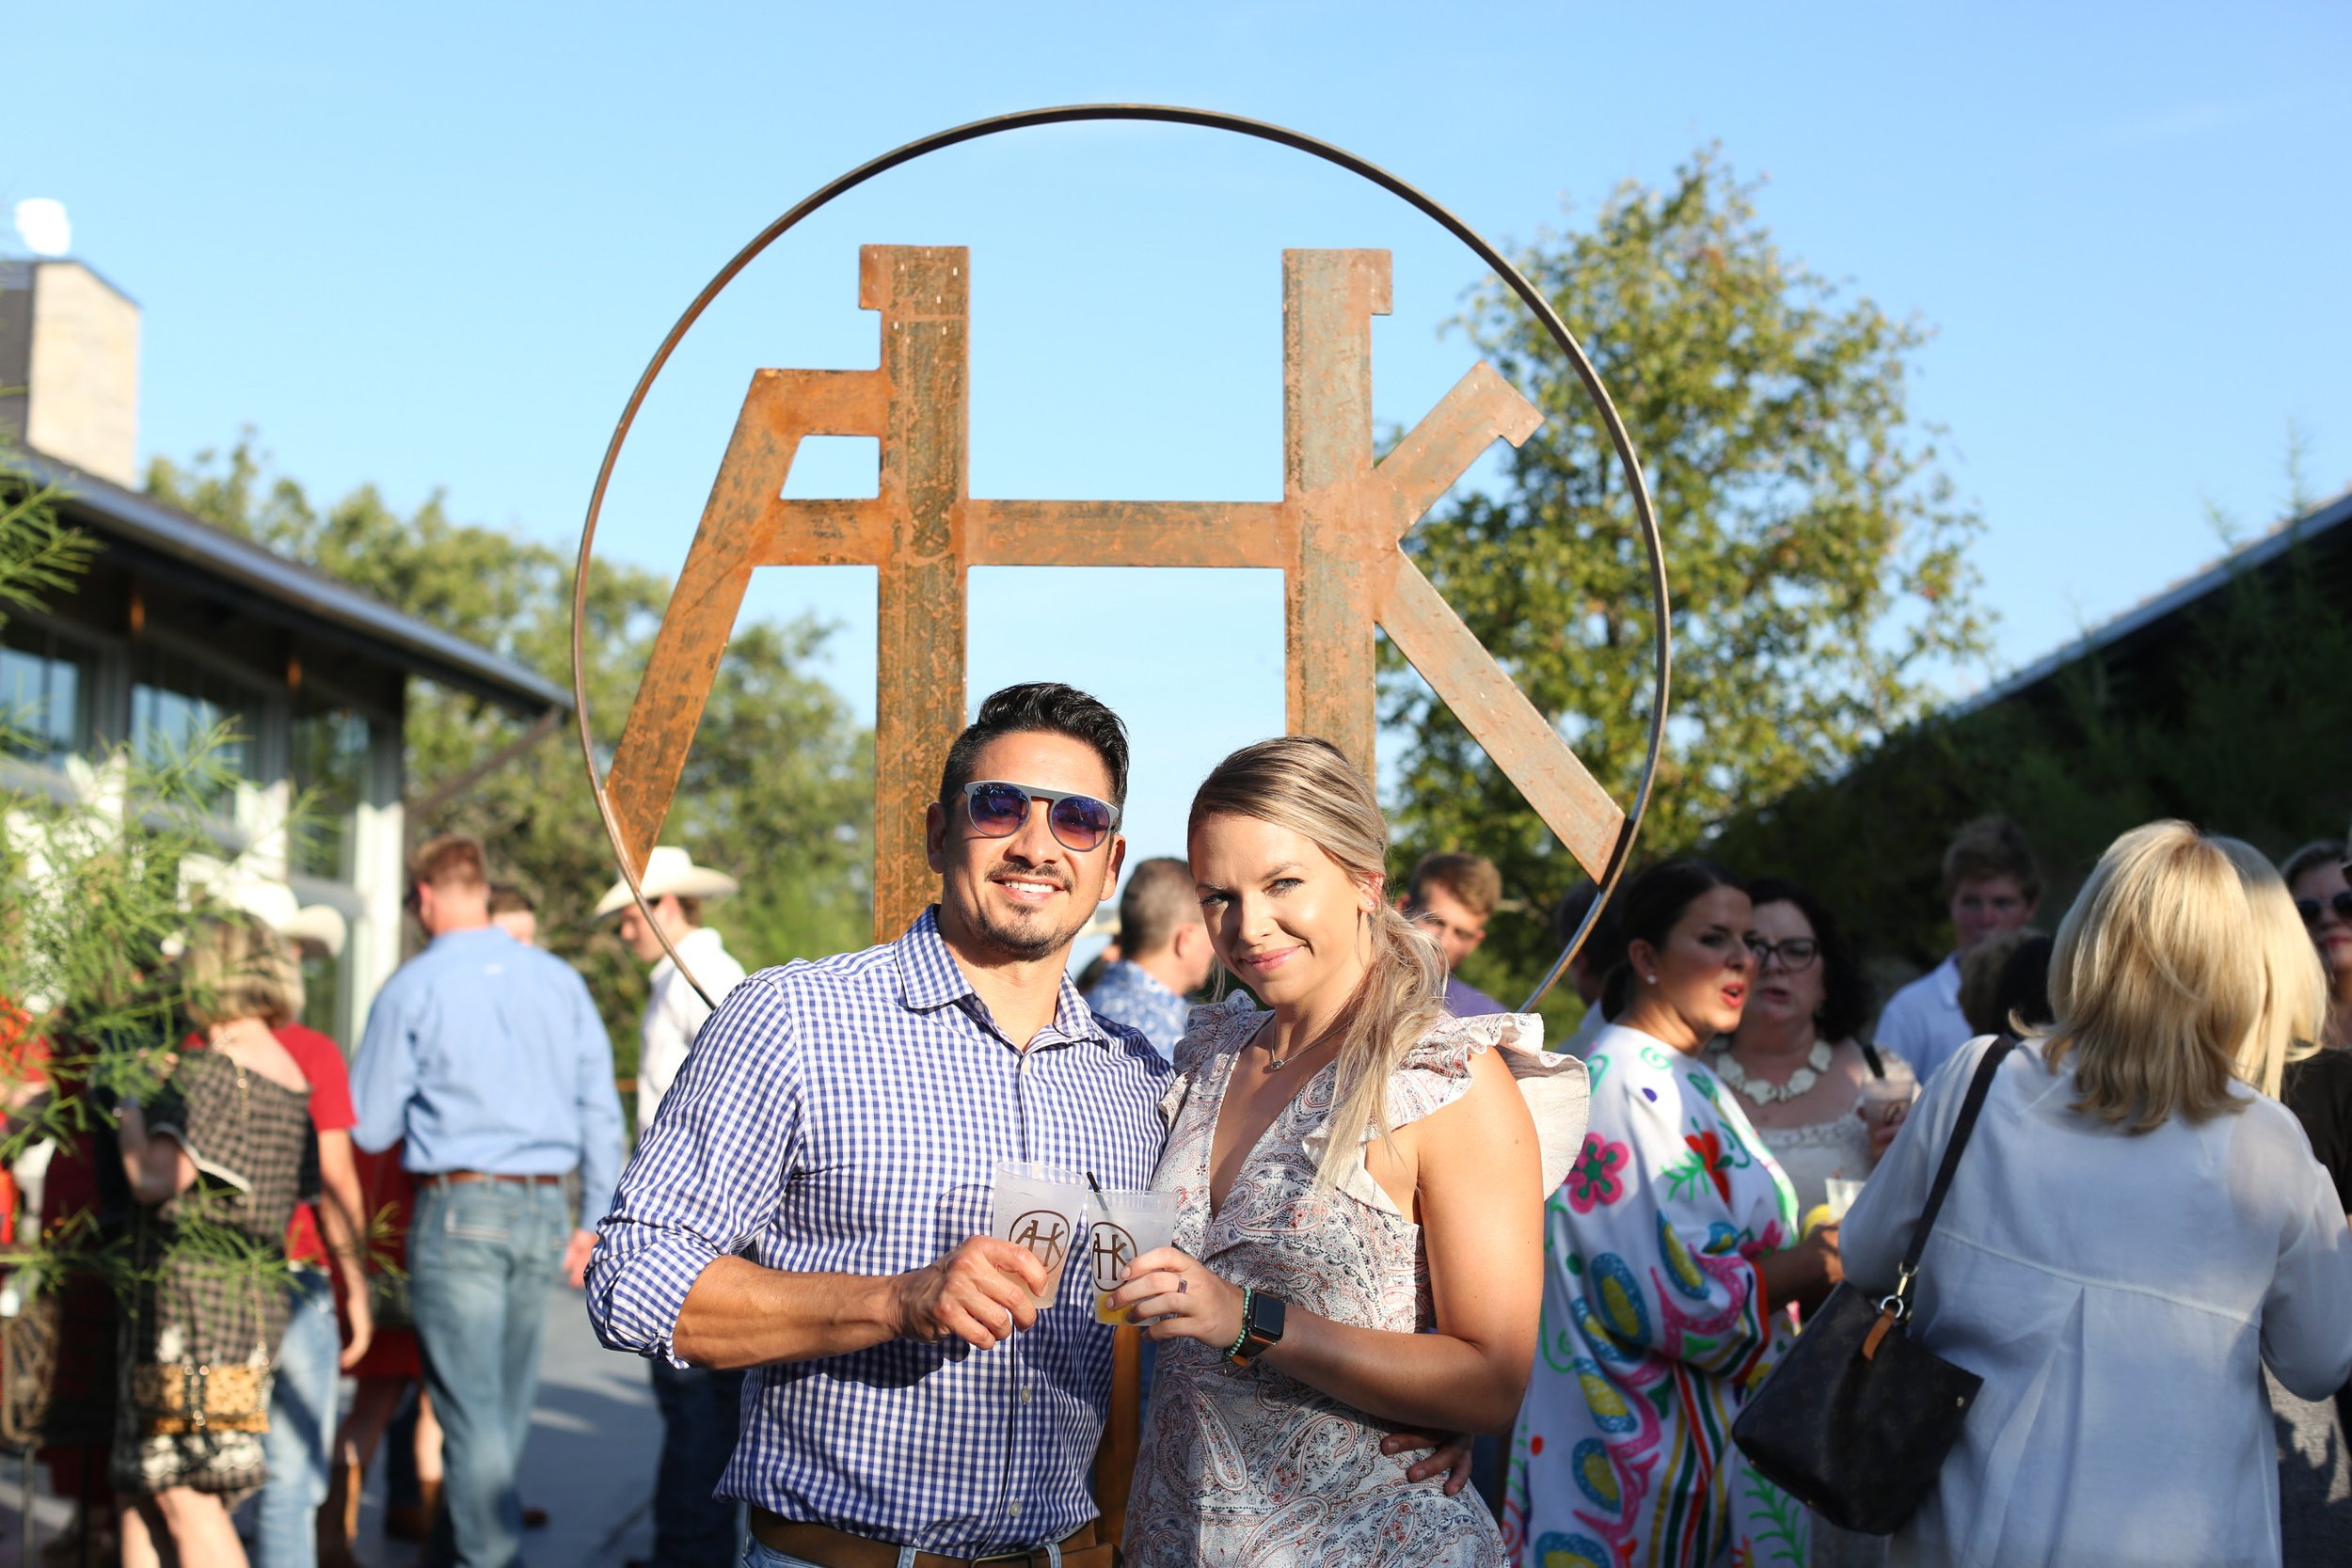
[422,649]
[2246,558]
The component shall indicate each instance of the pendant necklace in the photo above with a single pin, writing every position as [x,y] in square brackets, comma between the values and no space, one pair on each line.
[1817,1062]
[1276,1064]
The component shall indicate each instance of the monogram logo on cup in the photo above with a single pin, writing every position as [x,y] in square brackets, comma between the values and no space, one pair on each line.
[1045,1234]
[1113,1250]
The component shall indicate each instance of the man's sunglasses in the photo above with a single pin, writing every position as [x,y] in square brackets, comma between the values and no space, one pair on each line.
[1079,822]
[2311,908]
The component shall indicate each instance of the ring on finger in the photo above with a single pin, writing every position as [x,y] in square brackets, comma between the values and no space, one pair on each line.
[1184,1283]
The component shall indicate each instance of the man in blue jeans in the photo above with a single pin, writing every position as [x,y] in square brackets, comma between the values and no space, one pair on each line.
[488,1057]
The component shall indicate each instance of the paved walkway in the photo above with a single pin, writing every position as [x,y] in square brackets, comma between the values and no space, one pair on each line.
[590,1462]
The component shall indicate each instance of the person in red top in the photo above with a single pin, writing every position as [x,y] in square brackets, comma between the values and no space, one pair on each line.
[315,1353]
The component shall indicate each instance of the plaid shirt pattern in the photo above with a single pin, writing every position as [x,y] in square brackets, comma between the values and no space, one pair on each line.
[848,1117]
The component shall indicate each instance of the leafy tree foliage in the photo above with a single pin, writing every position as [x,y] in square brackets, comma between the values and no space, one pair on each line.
[1814,545]
[778,788]
[2213,716]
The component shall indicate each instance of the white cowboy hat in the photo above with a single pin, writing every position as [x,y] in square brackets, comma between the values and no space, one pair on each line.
[273,903]
[669,869]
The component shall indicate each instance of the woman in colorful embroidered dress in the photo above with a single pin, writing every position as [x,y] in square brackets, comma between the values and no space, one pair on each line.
[1668,1254]
[1364,1159]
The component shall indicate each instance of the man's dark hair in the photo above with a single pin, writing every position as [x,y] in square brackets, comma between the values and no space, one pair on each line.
[1046,707]
[1158,902]
[1988,847]
[1848,998]
[1472,880]
[451,860]
[507,898]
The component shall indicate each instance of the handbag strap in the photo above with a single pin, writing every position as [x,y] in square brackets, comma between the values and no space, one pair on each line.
[1979,1086]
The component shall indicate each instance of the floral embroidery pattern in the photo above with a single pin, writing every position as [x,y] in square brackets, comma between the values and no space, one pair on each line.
[1710,1149]
[1649,1300]
[1593,1181]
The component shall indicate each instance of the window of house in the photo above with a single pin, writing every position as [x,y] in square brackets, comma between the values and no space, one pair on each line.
[44,694]
[330,778]
[323,991]
[177,704]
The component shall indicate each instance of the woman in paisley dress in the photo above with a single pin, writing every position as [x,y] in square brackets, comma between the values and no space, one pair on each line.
[1669,1254]
[1352,1152]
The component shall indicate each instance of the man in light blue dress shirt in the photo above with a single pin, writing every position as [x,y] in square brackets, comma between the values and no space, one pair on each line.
[488,1057]
[1164,955]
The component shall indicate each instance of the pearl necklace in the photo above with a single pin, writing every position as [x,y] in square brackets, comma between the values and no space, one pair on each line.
[1817,1062]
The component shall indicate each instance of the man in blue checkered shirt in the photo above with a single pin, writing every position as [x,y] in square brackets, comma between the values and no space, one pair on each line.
[813,1200]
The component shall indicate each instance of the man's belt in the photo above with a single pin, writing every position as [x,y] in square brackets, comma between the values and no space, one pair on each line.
[458,1178]
[833,1548]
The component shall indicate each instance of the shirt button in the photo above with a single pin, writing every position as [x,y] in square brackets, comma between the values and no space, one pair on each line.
[1024,1393]
[1012,1510]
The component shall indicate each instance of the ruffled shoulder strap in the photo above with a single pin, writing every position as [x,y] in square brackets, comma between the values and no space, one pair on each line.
[1214,1030]
[1436,1073]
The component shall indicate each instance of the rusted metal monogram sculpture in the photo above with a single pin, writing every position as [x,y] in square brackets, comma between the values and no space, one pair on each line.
[1334,534]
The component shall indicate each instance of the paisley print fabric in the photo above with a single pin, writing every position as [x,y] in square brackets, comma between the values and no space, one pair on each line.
[1252,1469]
[1654,1332]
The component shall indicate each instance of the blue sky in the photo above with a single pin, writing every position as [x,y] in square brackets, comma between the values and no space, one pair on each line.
[433,246]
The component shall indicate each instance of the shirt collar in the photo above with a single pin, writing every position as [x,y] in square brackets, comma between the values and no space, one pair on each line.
[471,933]
[691,944]
[930,978]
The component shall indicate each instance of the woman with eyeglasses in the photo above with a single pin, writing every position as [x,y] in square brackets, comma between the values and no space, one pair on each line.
[1667,1255]
[2315,876]
[1798,1061]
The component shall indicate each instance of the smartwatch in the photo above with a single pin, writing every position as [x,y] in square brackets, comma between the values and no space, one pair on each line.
[1260,1328]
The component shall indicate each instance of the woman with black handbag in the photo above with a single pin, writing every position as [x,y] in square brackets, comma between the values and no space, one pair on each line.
[2133,1233]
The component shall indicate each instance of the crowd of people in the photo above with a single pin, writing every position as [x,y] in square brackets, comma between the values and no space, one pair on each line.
[1433,1292]
[403,1220]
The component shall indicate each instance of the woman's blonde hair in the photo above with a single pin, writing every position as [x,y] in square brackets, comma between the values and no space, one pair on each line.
[1306,785]
[236,967]
[2295,999]
[2154,985]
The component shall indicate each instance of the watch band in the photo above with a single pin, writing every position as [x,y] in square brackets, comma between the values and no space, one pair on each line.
[1261,1327]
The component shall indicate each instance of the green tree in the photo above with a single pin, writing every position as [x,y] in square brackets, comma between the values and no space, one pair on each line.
[778,787]
[1813,544]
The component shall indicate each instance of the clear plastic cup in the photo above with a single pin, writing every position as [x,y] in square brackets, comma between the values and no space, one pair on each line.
[1124,1227]
[1039,1208]
[1841,1195]
[1886,1101]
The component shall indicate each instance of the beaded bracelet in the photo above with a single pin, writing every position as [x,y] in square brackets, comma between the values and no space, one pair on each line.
[1248,1295]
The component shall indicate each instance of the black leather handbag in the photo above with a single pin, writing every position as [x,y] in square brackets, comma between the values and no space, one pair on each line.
[1856,1420]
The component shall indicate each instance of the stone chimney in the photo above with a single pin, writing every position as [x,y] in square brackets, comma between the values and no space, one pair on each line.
[70,366]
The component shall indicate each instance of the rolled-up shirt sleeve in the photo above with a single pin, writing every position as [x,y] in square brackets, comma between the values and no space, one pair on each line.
[707,1178]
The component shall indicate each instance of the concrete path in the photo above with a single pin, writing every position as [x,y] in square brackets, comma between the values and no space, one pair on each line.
[589,1464]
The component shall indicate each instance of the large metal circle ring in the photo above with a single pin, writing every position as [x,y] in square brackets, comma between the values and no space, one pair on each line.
[1645,513]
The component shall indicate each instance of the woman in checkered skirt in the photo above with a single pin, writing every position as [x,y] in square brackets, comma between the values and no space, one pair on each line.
[216,1160]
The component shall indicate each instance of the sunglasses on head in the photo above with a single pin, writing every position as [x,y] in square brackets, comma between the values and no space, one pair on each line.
[1079,822]
[2311,908]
